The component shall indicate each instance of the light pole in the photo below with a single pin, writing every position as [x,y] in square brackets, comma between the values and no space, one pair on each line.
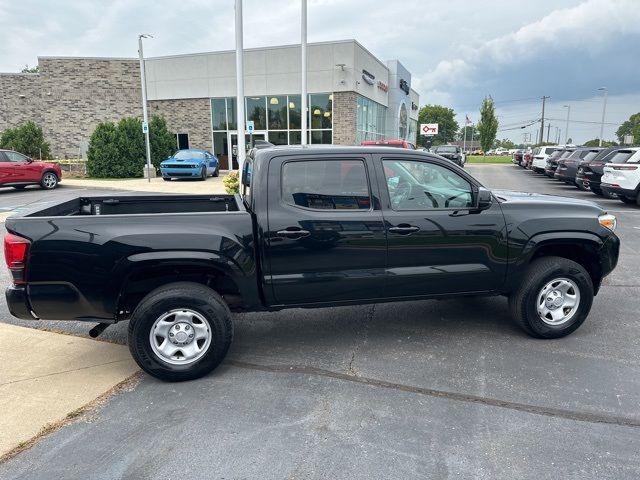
[566,127]
[303,50]
[604,109]
[145,117]
[239,90]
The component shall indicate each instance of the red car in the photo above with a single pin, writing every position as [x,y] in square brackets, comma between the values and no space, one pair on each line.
[18,171]
[390,143]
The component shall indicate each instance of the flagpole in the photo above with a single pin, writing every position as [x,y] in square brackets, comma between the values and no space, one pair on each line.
[303,94]
[239,90]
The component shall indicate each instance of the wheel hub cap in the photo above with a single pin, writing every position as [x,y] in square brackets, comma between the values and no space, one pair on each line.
[180,337]
[558,301]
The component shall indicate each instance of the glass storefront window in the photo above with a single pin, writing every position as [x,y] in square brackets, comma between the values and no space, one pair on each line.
[295,137]
[321,136]
[320,107]
[277,109]
[218,114]
[231,113]
[278,138]
[294,111]
[370,120]
[257,112]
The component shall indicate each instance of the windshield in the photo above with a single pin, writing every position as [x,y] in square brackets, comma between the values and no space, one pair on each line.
[189,155]
[447,149]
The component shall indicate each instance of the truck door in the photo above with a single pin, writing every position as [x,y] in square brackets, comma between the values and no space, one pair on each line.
[436,244]
[326,240]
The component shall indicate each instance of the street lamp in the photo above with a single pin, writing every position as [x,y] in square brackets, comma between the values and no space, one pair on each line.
[566,127]
[145,118]
[604,109]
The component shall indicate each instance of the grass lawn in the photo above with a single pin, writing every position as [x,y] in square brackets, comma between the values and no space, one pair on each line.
[489,159]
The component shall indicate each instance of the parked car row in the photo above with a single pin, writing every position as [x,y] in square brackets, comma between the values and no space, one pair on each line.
[612,172]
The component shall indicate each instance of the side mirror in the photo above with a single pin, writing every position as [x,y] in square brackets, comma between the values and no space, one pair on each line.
[29,160]
[483,199]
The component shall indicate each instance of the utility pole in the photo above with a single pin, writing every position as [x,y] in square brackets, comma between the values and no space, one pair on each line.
[239,89]
[566,127]
[548,131]
[303,96]
[145,116]
[604,109]
[544,99]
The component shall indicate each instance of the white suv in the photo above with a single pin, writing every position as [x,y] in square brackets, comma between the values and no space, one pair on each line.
[622,175]
[540,156]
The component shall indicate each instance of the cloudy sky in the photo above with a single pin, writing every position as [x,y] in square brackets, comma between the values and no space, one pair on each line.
[458,51]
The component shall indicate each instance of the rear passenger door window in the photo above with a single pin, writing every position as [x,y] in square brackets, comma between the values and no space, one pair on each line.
[326,185]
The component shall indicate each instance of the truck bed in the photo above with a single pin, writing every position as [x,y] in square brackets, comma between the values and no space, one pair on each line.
[140,204]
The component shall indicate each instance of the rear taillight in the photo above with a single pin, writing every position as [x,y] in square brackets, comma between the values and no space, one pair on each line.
[624,167]
[16,251]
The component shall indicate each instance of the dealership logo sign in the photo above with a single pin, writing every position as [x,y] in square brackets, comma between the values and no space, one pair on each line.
[404,86]
[428,129]
[383,86]
[368,77]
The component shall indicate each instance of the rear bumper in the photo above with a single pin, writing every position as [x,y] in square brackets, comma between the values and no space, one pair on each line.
[18,302]
[625,192]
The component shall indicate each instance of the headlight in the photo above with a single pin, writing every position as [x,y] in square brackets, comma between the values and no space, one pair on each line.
[608,221]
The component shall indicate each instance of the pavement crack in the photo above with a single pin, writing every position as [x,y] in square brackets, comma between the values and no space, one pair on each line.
[567,414]
[367,322]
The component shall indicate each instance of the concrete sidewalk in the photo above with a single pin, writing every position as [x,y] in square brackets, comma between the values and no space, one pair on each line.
[212,185]
[46,376]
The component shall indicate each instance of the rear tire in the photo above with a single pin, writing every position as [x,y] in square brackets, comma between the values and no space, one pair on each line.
[167,311]
[217,171]
[49,181]
[549,280]
[581,186]
[627,200]
[598,191]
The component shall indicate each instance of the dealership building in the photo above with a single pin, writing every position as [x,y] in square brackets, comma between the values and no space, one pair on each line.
[353,96]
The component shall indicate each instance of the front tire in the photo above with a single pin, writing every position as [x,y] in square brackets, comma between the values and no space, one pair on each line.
[554,298]
[203,173]
[166,179]
[216,171]
[181,331]
[49,181]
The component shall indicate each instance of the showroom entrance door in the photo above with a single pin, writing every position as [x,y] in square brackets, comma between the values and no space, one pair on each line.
[233,141]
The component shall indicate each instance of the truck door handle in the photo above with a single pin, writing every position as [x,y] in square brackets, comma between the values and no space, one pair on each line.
[404,229]
[293,232]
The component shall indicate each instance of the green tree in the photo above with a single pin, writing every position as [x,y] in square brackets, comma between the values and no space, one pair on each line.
[28,69]
[162,141]
[117,151]
[596,142]
[630,127]
[446,120]
[488,124]
[26,138]
[504,143]
[131,147]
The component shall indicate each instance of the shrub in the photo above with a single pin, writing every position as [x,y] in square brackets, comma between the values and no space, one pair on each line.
[162,141]
[232,183]
[26,138]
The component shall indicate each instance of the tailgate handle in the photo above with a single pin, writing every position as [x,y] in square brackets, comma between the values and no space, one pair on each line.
[404,229]
[293,232]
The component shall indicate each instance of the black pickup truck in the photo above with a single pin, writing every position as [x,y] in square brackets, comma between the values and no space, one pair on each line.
[314,227]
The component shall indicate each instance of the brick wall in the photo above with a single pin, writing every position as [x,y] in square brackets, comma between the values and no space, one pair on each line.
[344,118]
[192,116]
[69,97]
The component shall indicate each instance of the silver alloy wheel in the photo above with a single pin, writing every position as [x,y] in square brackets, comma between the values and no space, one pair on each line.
[49,180]
[180,337]
[558,301]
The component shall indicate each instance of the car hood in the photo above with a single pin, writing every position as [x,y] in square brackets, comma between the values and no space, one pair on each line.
[542,199]
[181,160]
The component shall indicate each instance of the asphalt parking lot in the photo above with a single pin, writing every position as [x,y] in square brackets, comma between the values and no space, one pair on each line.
[430,389]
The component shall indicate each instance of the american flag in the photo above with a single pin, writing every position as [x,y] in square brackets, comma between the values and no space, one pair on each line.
[468,120]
